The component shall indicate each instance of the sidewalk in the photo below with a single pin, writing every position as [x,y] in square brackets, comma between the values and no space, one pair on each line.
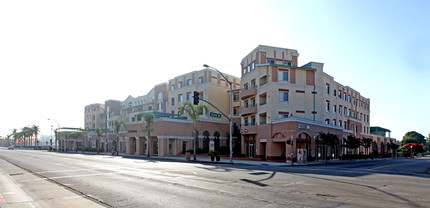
[236,161]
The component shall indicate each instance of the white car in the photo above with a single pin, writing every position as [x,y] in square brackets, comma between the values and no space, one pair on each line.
[10,147]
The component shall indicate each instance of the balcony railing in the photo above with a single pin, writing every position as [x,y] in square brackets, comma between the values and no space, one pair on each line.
[263,103]
[248,93]
[246,111]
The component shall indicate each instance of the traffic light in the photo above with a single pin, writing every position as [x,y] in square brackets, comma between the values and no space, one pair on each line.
[196,98]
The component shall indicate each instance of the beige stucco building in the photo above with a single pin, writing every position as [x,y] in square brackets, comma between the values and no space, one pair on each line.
[286,106]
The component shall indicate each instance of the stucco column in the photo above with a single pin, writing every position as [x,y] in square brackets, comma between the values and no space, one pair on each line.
[128,142]
[139,146]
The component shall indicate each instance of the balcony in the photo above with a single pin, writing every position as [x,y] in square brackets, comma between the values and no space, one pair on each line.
[249,110]
[248,93]
[250,129]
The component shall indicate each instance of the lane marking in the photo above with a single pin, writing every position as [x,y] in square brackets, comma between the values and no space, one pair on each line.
[385,166]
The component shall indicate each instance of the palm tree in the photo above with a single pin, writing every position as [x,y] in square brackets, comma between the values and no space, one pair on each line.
[193,113]
[36,131]
[15,135]
[99,133]
[28,133]
[83,132]
[149,120]
[116,126]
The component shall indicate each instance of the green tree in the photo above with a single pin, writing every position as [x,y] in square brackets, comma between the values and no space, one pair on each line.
[192,112]
[149,120]
[117,126]
[99,133]
[366,143]
[36,131]
[413,137]
[83,131]
[329,140]
[28,134]
[352,142]
[15,135]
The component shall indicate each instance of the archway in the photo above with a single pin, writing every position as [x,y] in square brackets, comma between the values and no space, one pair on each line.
[303,147]
[217,141]
[206,141]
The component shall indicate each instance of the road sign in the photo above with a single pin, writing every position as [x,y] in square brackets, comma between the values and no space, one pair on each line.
[146,130]
[215,115]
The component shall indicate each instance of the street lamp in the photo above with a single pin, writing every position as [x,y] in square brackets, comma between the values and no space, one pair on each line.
[231,109]
[58,132]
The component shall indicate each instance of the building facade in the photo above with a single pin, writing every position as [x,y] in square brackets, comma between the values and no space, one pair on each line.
[285,107]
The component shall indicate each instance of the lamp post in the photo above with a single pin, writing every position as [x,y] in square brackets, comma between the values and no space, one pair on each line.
[231,109]
[58,132]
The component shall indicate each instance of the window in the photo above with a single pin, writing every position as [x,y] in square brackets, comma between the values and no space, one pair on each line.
[345,126]
[282,115]
[270,61]
[340,110]
[244,70]
[179,85]
[340,123]
[172,87]
[253,84]
[252,102]
[160,106]
[286,63]
[160,96]
[246,86]
[349,112]
[344,96]
[334,92]
[253,121]
[344,112]
[327,106]
[173,101]
[246,121]
[349,98]
[246,104]
[189,82]
[189,96]
[334,108]
[282,76]
[235,111]
[200,80]
[334,122]
[180,98]
[353,101]
[236,97]
[327,89]
[340,94]
[283,96]
[327,121]
[253,65]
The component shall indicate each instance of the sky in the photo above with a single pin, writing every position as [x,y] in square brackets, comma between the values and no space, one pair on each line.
[56,57]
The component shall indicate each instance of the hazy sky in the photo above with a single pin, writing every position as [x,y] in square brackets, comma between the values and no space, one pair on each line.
[56,57]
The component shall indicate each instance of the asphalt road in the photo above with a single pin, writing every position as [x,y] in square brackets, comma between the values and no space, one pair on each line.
[120,182]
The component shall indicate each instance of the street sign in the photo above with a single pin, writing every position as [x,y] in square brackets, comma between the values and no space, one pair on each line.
[146,130]
[215,115]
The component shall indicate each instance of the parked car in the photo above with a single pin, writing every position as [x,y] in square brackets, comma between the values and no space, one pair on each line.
[10,147]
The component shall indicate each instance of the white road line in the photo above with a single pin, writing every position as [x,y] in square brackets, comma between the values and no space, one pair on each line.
[77,176]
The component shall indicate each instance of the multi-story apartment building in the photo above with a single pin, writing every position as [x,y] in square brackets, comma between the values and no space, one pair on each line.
[172,135]
[279,111]
[94,116]
[284,104]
